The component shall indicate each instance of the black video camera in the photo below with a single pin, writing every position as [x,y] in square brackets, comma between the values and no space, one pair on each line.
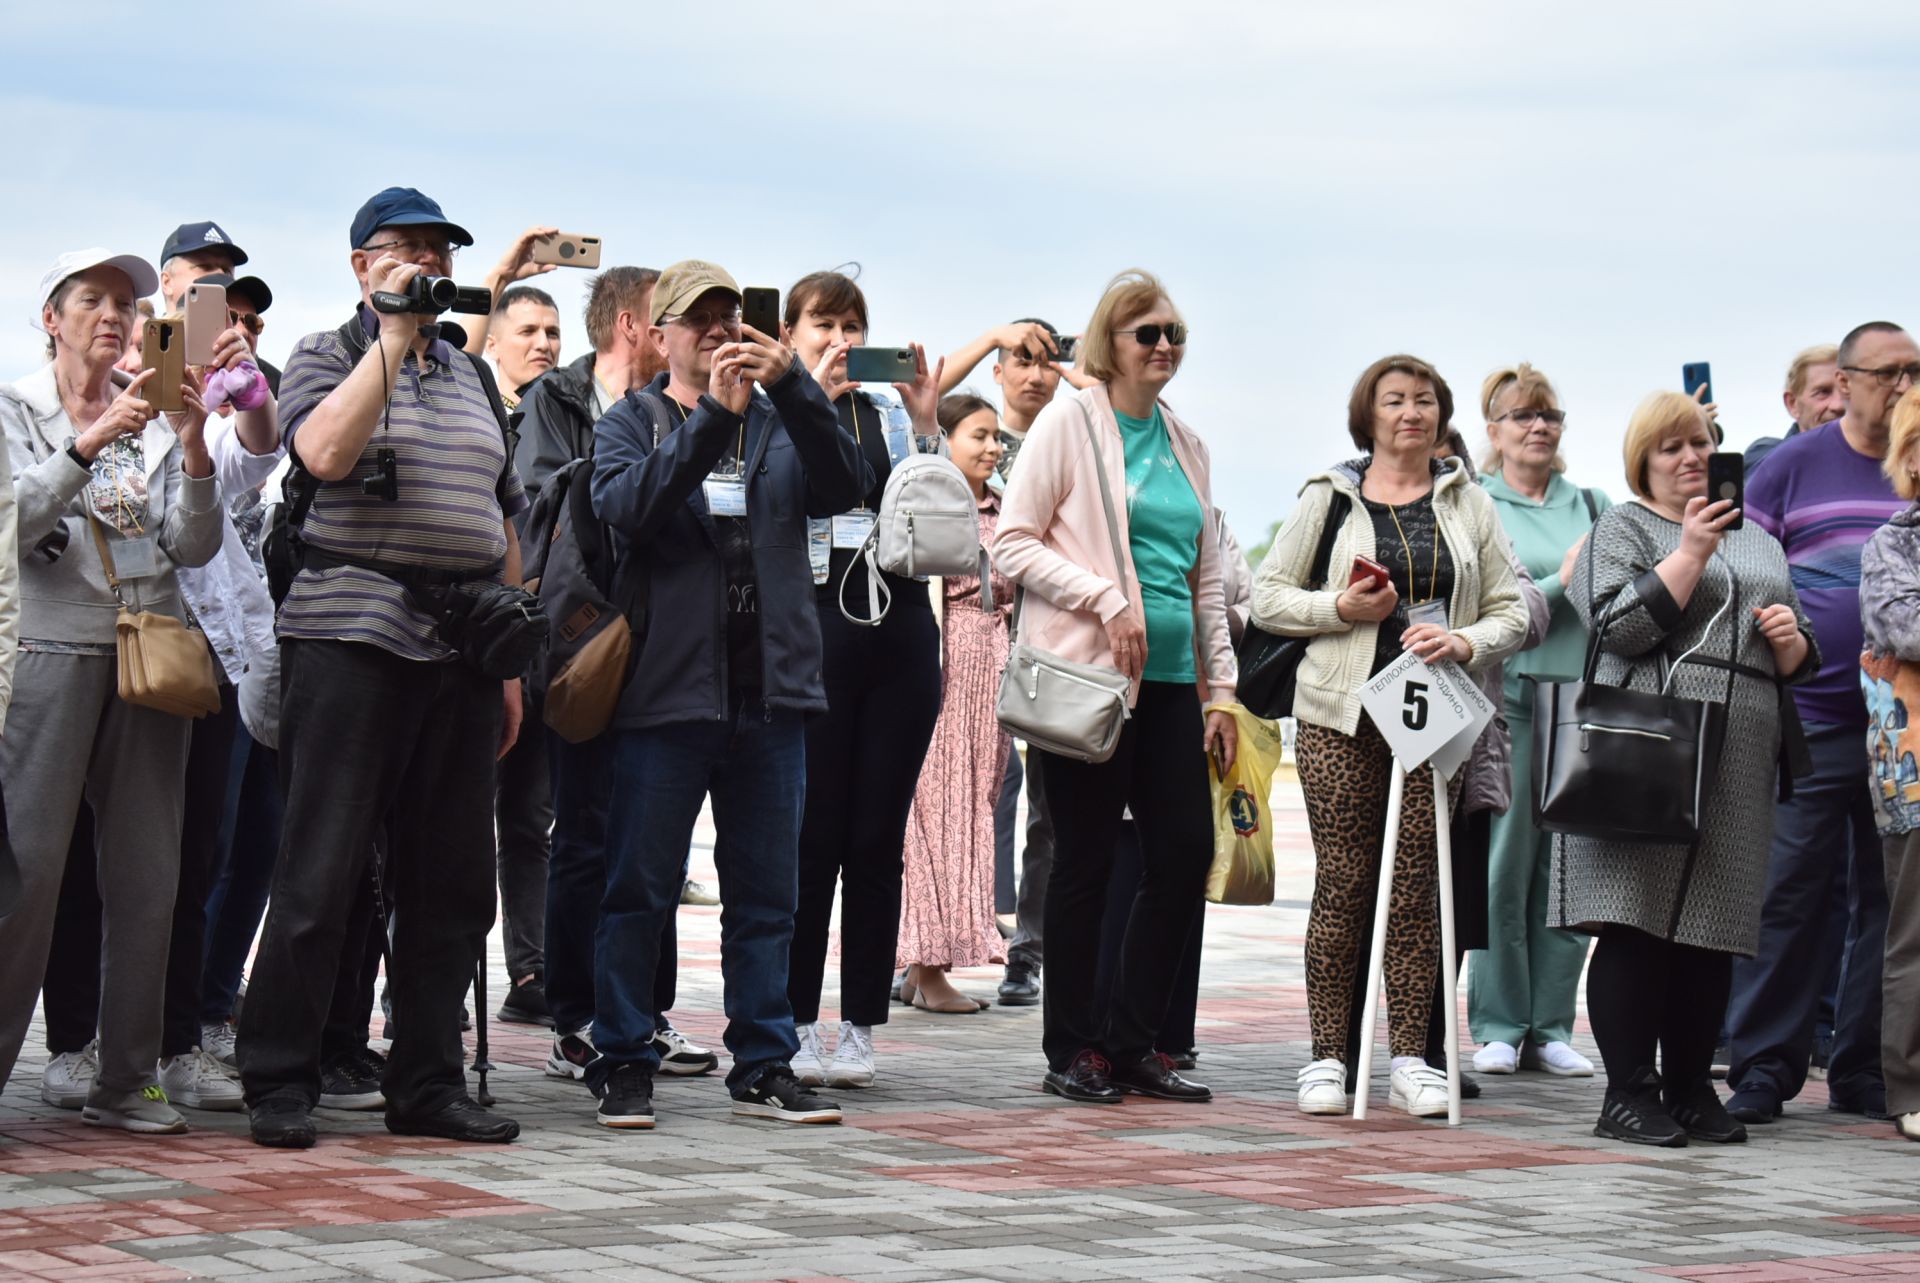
[432,295]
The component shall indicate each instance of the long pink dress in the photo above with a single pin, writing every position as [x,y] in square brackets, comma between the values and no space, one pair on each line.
[946,901]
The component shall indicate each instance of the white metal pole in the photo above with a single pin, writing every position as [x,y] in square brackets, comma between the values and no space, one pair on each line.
[1376,960]
[1449,972]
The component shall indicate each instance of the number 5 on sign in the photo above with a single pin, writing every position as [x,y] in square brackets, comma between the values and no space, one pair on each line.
[1426,712]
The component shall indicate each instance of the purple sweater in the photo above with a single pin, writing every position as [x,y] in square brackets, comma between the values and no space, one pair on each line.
[1822,500]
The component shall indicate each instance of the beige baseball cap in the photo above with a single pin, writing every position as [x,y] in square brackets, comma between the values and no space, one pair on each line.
[684,282]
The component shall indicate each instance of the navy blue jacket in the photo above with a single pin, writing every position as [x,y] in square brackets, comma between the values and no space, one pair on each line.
[800,464]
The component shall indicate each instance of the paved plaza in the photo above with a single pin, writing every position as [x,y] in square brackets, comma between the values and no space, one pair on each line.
[956,1167]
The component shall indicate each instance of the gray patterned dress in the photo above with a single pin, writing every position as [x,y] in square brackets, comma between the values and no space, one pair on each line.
[1712,901]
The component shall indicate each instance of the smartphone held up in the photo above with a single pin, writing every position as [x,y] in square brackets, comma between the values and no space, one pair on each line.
[1727,480]
[163,349]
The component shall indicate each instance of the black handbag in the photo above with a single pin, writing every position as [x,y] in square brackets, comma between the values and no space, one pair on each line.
[1269,662]
[1624,765]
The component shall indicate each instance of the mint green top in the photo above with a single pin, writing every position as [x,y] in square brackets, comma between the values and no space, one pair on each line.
[1163,521]
[1541,534]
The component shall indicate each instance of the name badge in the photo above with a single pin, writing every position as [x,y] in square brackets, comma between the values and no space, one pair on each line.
[850,529]
[135,558]
[1427,612]
[726,497]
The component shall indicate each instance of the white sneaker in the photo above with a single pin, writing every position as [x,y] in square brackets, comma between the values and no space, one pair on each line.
[852,1059]
[680,1055]
[1497,1058]
[1908,1125]
[1558,1058]
[1323,1088]
[807,1064]
[218,1041]
[198,1081]
[1419,1089]
[69,1076]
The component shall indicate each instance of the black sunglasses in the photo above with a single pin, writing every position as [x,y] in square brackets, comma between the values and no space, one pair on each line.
[1149,335]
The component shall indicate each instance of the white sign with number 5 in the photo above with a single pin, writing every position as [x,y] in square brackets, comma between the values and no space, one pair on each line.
[1426,712]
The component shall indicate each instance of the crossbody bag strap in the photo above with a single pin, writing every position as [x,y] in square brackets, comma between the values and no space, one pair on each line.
[106,557]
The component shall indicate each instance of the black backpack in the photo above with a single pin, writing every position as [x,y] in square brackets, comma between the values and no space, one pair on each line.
[595,622]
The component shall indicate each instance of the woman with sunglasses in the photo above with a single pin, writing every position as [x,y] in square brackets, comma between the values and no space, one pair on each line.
[883,696]
[1152,607]
[1520,989]
[1448,593]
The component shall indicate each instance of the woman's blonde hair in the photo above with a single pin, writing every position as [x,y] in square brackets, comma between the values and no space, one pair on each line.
[1131,294]
[1522,388]
[1659,416]
[1900,443]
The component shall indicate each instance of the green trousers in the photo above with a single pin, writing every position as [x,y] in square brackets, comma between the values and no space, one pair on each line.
[1522,986]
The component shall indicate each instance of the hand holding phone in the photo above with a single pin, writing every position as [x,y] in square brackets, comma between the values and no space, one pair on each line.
[1366,568]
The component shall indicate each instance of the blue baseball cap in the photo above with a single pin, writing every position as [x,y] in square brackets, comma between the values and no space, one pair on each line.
[403,207]
[191,238]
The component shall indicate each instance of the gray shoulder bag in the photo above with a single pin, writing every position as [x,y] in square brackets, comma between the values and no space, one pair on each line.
[1074,710]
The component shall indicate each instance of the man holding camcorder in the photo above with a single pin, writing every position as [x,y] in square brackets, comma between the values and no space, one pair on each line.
[402,634]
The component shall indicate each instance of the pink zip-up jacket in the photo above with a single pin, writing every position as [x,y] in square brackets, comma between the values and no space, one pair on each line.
[1053,541]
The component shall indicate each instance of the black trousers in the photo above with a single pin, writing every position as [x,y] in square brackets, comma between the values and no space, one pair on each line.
[1175,1032]
[1645,993]
[1159,770]
[367,739]
[863,759]
[70,990]
[523,818]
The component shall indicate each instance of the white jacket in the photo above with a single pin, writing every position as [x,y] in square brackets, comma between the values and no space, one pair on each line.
[227,595]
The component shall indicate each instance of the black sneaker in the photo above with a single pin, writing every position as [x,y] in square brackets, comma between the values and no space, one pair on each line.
[778,1094]
[281,1122]
[1754,1105]
[1632,1112]
[1698,1109]
[352,1081]
[526,1004]
[1021,987]
[571,1055]
[626,1101]
[1871,1103]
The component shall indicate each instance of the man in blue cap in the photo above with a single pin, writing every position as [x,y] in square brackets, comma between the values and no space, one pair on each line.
[403,485]
[195,250]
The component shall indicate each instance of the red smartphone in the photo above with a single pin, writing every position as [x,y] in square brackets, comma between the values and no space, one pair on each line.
[1367,568]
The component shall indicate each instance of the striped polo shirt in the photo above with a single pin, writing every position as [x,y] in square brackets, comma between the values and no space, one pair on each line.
[1822,499]
[456,487]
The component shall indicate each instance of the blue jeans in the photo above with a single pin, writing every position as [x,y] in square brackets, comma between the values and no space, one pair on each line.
[754,768]
[582,777]
[1823,841]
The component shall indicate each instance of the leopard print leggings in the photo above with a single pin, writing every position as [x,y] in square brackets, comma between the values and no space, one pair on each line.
[1346,779]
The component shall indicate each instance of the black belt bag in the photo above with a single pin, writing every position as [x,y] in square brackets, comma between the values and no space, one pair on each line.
[497,629]
[1624,765]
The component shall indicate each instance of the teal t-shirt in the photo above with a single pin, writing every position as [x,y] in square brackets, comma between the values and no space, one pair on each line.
[1164,519]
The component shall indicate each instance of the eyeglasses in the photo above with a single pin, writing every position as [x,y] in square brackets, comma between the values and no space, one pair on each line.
[409,245]
[701,322]
[253,321]
[1149,335]
[1527,418]
[1889,376]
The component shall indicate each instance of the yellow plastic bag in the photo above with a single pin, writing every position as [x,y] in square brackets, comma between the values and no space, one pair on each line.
[1242,871]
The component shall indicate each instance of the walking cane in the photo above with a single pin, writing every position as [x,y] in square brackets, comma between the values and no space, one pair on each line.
[1376,961]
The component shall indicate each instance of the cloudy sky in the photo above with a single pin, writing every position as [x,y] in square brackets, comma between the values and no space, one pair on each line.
[1607,191]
